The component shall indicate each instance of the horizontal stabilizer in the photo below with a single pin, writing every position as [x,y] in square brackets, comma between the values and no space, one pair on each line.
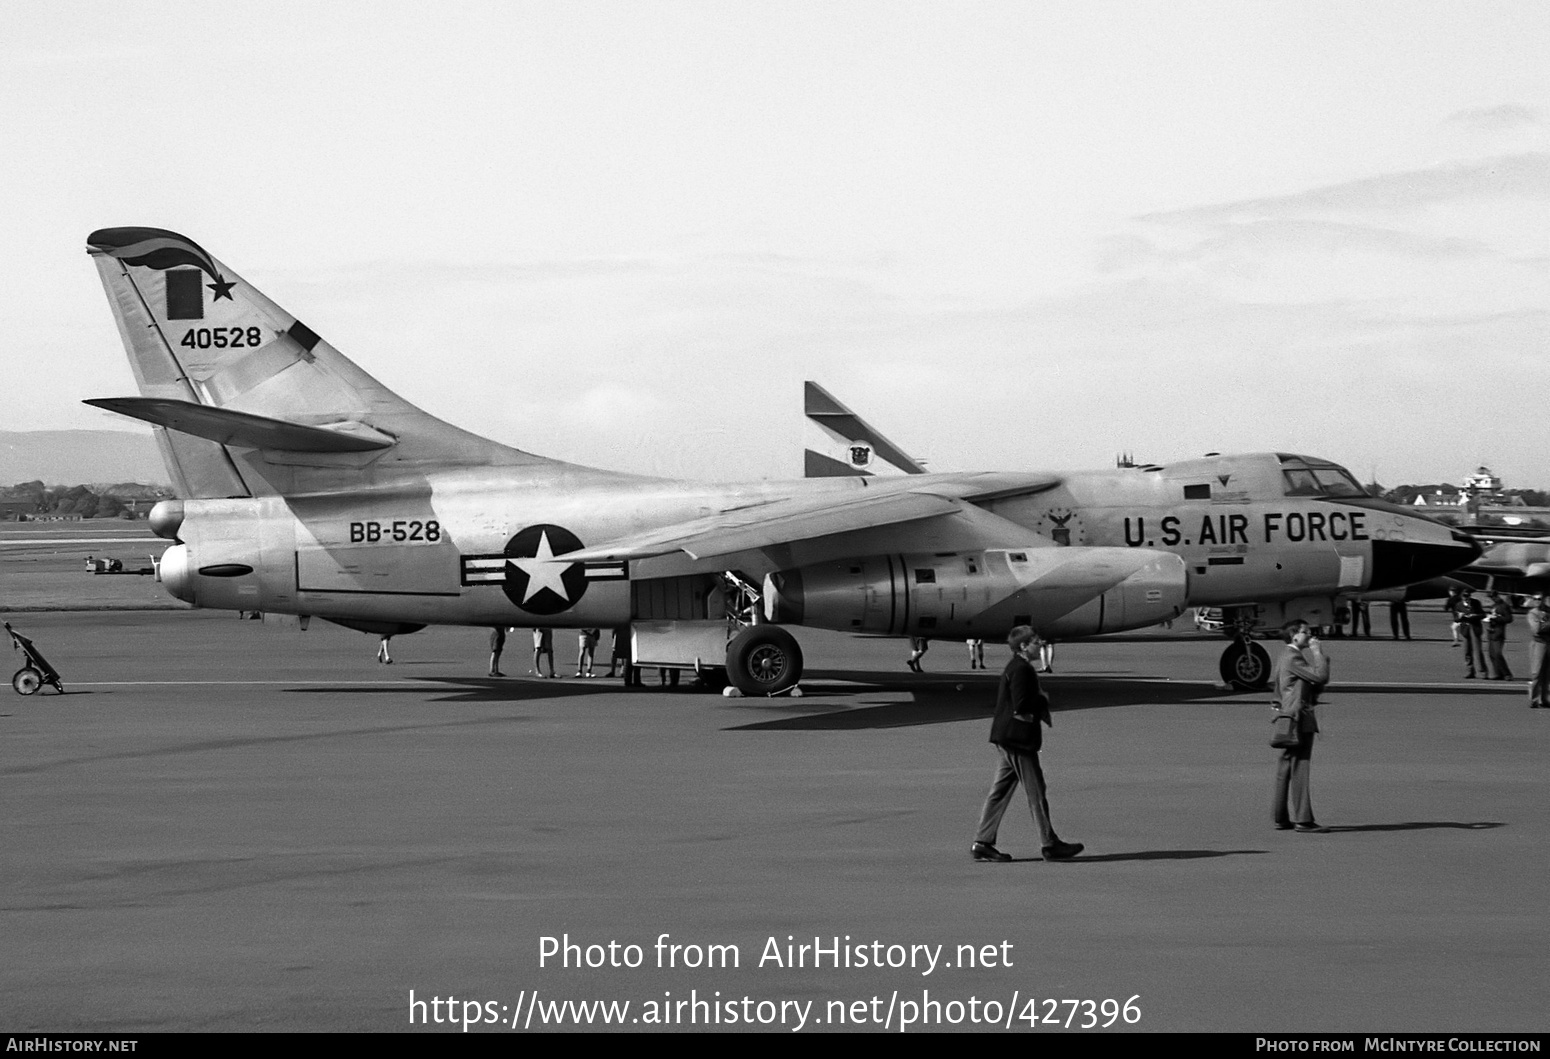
[228,427]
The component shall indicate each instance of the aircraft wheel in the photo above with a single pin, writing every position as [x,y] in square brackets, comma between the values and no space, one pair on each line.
[1246,666]
[27,681]
[764,660]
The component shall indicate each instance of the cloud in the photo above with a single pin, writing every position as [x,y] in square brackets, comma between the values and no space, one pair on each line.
[1524,176]
[1506,117]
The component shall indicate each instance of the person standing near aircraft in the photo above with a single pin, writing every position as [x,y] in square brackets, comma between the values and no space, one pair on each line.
[497,645]
[919,645]
[543,647]
[586,647]
[1020,709]
[1496,622]
[1301,673]
[976,654]
[382,651]
[619,652]
[1361,619]
[1539,653]
[1450,607]
[1399,618]
[1046,655]
[1470,615]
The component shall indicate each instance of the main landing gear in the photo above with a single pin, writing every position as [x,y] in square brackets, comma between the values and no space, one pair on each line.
[1245,665]
[764,660]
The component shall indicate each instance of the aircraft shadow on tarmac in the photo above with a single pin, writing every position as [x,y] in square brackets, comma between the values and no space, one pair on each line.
[473,689]
[942,701]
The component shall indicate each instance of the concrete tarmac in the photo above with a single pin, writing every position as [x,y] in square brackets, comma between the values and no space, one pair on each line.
[233,825]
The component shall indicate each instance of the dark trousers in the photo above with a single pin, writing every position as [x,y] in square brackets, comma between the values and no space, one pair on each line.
[1538,674]
[1399,620]
[1013,768]
[1293,771]
[1493,647]
[1473,654]
[1361,616]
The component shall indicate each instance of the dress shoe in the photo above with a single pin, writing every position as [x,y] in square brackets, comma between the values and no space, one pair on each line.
[1310,829]
[1063,850]
[985,851]
[1283,827]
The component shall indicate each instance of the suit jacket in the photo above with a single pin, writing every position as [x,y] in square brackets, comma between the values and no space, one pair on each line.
[1298,678]
[1497,620]
[1469,611]
[1019,693]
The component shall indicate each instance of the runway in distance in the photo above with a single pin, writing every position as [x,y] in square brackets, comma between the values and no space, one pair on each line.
[1267,536]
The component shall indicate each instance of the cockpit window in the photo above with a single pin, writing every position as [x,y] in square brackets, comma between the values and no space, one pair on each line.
[1300,482]
[1309,477]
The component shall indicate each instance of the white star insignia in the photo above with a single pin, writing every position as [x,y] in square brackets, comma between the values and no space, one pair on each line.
[543,571]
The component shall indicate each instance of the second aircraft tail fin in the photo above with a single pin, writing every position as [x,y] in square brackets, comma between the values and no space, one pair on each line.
[840,443]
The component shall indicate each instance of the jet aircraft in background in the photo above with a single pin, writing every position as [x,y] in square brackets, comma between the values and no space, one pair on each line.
[307,487]
[1267,536]
[1510,563]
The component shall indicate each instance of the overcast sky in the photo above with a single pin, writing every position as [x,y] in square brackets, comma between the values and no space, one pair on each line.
[1012,235]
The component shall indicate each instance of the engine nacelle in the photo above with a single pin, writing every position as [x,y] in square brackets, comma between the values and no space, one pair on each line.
[1061,592]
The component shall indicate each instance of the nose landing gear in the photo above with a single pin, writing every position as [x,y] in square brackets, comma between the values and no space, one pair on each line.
[1245,665]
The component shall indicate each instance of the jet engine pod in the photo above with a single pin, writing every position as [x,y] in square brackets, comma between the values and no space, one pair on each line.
[176,574]
[1063,591]
[166,519]
[1155,591]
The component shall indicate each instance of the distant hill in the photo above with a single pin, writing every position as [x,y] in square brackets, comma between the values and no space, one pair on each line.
[69,457]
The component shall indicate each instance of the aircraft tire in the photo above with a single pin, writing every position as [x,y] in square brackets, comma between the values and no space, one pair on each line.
[1245,665]
[27,681]
[764,660]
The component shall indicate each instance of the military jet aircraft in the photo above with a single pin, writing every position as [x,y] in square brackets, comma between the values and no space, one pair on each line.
[1511,563]
[306,487]
[1267,536]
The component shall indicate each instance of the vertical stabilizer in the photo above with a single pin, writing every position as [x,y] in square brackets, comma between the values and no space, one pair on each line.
[840,443]
[198,334]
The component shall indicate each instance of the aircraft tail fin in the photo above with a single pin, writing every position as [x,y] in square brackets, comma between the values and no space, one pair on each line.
[840,443]
[247,399]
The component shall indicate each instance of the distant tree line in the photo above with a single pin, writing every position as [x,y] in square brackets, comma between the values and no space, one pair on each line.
[34,498]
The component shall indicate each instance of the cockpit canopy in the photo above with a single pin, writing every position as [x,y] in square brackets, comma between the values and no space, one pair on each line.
[1308,476]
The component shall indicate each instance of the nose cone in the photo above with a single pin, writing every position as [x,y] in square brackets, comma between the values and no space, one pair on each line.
[1396,563]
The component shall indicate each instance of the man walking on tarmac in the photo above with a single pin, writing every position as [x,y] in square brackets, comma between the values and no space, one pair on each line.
[1020,709]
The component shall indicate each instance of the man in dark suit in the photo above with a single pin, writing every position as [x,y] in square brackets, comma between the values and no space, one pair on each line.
[1497,618]
[1020,708]
[1470,615]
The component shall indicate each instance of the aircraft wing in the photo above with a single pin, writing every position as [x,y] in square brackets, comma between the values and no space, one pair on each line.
[805,517]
